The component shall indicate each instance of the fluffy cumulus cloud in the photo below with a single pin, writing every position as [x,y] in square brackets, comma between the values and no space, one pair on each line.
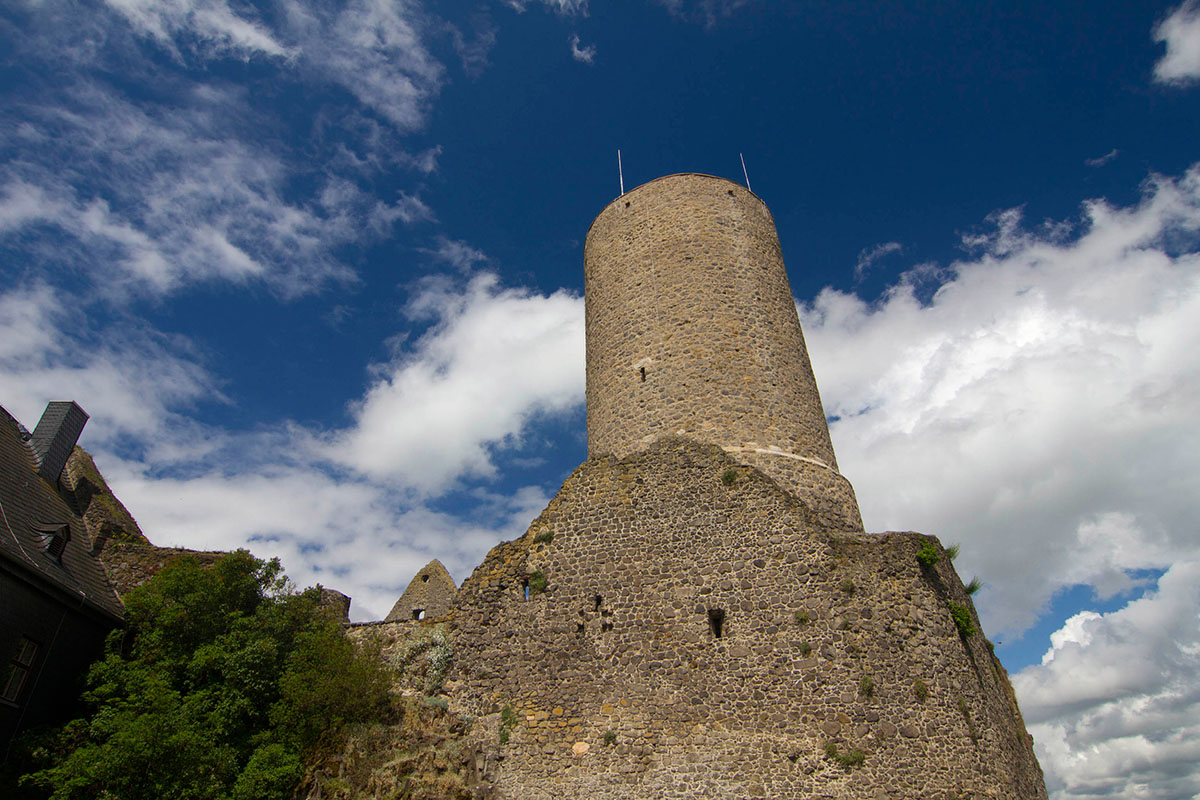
[1114,708]
[494,359]
[1180,32]
[330,504]
[1041,404]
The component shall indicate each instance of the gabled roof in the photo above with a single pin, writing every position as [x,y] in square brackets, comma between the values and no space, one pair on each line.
[431,591]
[30,506]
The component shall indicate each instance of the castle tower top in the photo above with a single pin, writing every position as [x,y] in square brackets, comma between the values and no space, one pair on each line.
[692,330]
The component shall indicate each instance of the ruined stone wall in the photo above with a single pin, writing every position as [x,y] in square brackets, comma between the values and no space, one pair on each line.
[692,330]
[609,679]
[428,595]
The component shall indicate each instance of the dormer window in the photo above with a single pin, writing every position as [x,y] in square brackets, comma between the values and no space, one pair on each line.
[54,538]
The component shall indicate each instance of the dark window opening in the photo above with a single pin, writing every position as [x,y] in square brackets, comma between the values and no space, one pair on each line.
[643,370]
[579,627]
[627,204]
[54,538]
[716,621]
[599,600]
[418,613]
[526,589]
[18,670]
[606,626]
[731,192]
[425,579]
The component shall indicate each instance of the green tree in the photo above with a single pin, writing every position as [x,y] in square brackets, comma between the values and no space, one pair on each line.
[224,683]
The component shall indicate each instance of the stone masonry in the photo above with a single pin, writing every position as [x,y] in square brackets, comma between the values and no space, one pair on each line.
[698,613]
[428,595]
[701,637]
[692,331]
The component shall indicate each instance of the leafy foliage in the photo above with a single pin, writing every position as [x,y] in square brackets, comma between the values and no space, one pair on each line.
[847,760]
[974,586]
[223,683]
[928,555]
[962,619]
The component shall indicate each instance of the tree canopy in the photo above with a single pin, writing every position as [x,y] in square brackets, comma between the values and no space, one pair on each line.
[223,684]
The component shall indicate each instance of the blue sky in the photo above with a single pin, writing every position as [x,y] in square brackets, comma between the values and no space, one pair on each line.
[315,271]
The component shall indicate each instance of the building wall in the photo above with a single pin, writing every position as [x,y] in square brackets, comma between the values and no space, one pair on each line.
[692,330]
[617,686]
[69,638]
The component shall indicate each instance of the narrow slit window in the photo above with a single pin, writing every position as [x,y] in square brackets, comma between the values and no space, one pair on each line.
[716,621]
[642,370]
[599,600]
[525,589]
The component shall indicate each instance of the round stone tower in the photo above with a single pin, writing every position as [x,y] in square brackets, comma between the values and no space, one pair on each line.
[692,331]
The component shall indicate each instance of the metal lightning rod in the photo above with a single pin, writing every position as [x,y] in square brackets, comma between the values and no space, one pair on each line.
[745,174]
[620,171]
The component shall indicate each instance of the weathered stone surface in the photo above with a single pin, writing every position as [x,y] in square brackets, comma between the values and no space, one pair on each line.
[692,330]
[428,596]
[696,715]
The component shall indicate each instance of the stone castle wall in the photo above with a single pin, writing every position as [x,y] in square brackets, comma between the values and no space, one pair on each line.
[692,330]
[615,681]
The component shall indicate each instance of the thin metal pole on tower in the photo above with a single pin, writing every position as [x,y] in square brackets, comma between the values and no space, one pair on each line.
[745,174]
[620,171]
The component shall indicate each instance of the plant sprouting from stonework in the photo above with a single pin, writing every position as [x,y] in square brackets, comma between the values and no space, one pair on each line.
[974,586]
[610,738]
[802,617]
[848,586]
[537,583]
[546,536]
[427,651]
[952,551]
[928,555]
[866,686]
[920,690]
[729,476]
[805,649]
[847,760]
[508,721]
[962,619]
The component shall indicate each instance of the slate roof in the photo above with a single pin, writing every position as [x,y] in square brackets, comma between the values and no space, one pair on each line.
[30,504]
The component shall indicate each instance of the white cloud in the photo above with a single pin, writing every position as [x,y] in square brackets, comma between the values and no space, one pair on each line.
[460,255]
[219,29]
[1114,707]
[870,255]
[707,11]
[494,359]
[131,383]
[586,55]
[350,535]
[1181,33]
[1102,160]
[1041,407]
[374,49]
[565,7]
[179,200]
